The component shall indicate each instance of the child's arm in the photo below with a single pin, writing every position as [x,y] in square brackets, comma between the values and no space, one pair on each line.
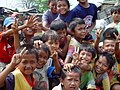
[31,21]
[98,34]
[65,49]
[16,35]
[16,59]
[56,62]
[117,45]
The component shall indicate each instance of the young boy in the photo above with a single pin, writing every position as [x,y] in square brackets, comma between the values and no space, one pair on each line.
[69,80]
[115,13]
[110,46]
[88,12]
[102,65]
[6,39]
[77,29]
[51,39]
[84,60]
[21,78]
[60,27]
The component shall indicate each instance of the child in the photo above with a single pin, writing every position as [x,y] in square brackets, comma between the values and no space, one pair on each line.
[84,60]
[87,12]
[21,78]
[77,29]
[51,39]
[69,80]
[115,13]
[6,39]
[104,63]
[63,8]
[110,45]
[60,27]
[50,14]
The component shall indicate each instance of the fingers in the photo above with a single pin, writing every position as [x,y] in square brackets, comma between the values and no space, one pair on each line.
[23,51]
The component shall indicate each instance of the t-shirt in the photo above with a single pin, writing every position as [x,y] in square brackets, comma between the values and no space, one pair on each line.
[87,80]
[41,78]
[6,50]
[48,17]
[102,81]
[89,15]
[68,18]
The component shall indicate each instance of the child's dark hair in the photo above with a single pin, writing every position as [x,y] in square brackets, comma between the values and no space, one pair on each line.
[88,48]
[109,57]
[115,9]
[58,25]
[50,1]
[50,34]
[30,50]
[66,2]
[45,48]
[74,23]
[34,39]
[73,69]
[109,33]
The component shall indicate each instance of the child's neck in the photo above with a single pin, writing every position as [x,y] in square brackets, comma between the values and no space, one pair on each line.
[85,5]
[78,39]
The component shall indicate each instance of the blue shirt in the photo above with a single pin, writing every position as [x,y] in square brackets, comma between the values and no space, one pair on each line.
[89,15]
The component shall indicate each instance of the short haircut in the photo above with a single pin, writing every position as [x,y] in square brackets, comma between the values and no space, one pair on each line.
[109,57]
[109,33]
[30,50]
[66,2]
[73,69]
[115,9]
[74,23]
[88,48]
[50,34]
[58,24]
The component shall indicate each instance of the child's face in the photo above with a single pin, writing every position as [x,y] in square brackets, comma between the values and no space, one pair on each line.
[85,56]
[28,64]
[53,6]
[71,82]
[62,34]
[116,16]
[28,31]
[101,65]
[62,7]
[43,57]
[109,46]
[80,31]
[53,45]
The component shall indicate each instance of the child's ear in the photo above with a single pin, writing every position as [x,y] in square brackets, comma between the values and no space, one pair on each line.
[61,81]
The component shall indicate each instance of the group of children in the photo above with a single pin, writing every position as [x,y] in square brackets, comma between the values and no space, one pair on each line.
[59,53]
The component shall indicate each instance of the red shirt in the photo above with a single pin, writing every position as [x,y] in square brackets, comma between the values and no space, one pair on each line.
[6,50]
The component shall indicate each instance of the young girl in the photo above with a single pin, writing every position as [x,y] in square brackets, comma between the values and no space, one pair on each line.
[50,14]
[65,14]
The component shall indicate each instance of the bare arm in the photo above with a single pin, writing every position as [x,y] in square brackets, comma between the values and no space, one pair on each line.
[16,59]
[16,35]
[97,41]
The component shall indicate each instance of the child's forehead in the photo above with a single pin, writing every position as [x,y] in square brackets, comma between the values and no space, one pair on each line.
[72,74]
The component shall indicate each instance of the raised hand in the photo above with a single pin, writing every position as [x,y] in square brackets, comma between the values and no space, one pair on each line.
[98,32]
[76,53]
[15,26]
[17,58]
[31,21]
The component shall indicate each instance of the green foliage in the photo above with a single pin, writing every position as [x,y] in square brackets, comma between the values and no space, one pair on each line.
[41,5]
